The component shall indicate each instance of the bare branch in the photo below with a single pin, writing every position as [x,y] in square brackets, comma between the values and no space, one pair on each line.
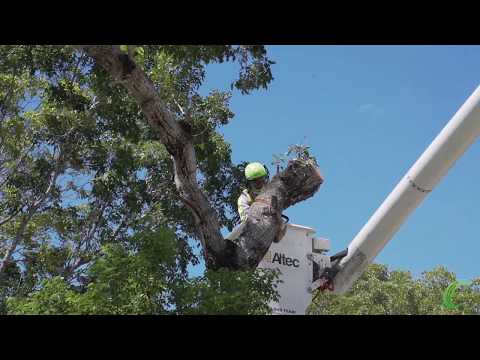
[15,213]
[121,226]
[77,67]
[94,224]
[18,164]
[16,240]
[26,219]
[179,107]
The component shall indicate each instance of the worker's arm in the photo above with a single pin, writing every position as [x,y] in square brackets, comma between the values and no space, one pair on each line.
[243,204]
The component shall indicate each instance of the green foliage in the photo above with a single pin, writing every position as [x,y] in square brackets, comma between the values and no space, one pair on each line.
[228,292]
[131,280]
[140,279]
[383,292]
[54,298]
[296,152]
[124,280]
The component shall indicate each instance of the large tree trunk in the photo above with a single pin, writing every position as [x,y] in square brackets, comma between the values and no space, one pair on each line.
[299,181]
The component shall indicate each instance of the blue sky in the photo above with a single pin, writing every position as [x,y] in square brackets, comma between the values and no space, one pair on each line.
[368,112]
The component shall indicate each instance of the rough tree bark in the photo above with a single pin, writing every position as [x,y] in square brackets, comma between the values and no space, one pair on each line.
[299,181]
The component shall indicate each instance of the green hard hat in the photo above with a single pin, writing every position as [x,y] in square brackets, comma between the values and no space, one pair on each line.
[254,171]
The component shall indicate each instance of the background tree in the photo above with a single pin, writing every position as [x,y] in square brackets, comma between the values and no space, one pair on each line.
[382,292]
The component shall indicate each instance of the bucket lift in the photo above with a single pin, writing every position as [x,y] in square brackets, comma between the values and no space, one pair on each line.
[301,257]
[302,260]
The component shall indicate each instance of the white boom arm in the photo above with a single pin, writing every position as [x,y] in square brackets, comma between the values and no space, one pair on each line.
[423,176]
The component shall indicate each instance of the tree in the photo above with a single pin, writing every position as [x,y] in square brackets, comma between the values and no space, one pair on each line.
[382,292]
[299,181]
[82,167]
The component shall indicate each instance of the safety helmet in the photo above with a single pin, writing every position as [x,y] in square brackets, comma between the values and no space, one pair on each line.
[254,171]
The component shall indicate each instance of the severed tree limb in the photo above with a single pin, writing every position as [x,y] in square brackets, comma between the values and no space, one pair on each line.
[299,181]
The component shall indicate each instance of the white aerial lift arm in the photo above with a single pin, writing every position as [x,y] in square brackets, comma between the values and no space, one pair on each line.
[459,133]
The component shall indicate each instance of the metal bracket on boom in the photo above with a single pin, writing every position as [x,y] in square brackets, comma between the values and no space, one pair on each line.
[325,271]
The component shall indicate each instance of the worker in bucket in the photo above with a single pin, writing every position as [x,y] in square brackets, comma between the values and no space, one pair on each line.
[257,177]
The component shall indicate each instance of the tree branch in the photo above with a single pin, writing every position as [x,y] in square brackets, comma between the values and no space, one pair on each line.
[10,217]
[17,165]
[176,140]
[120,226]
[93,224]
[25,221]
